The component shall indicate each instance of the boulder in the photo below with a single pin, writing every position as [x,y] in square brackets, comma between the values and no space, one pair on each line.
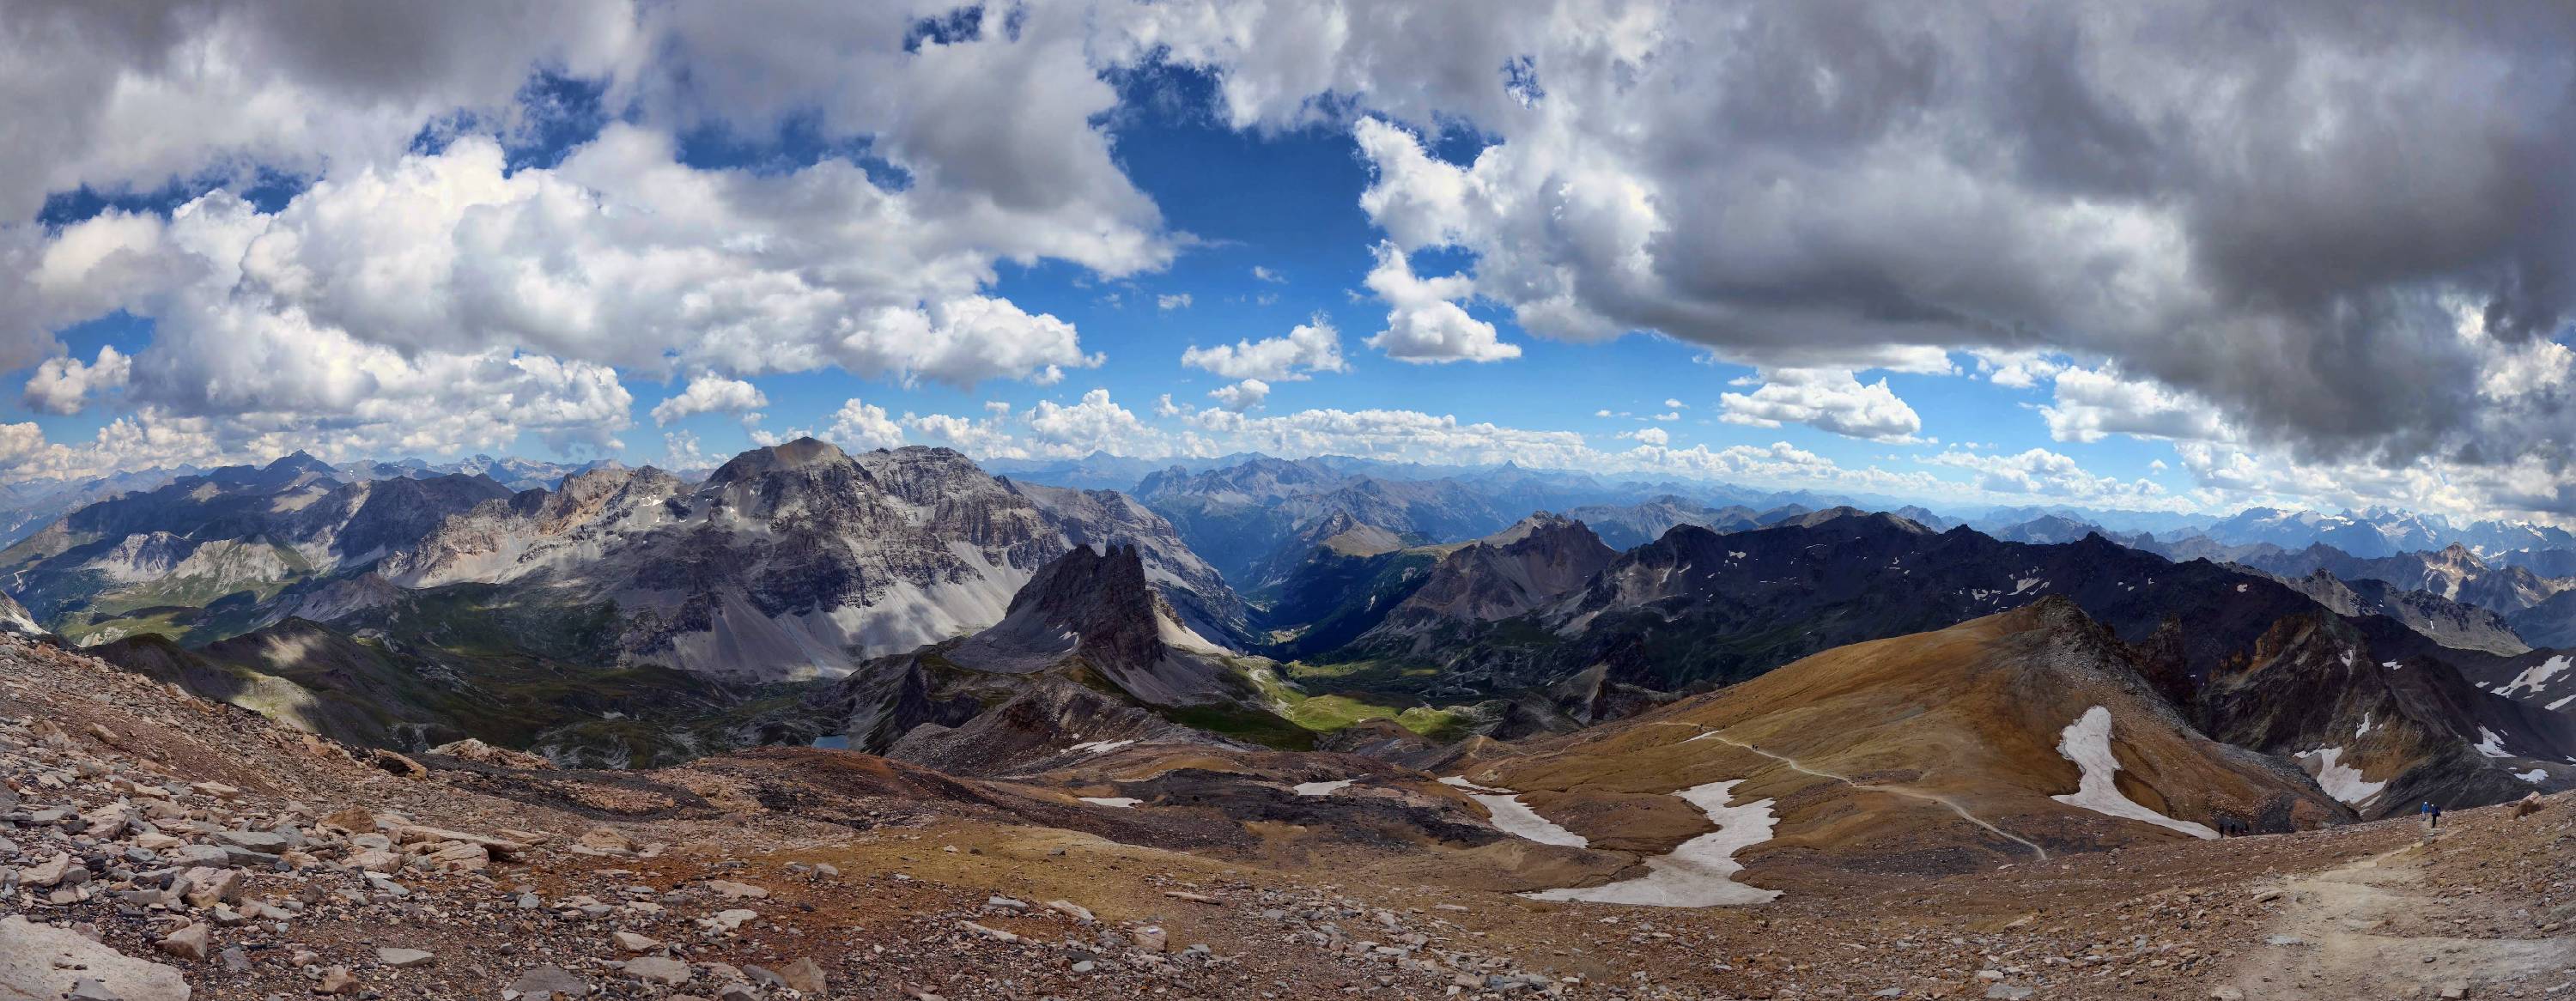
[481,753]
[500,848]
[191,942]
[57,871]
[543,983]
[404,959]
[805,976]
[658,969]
[263,842]
[206,887]
[336,980]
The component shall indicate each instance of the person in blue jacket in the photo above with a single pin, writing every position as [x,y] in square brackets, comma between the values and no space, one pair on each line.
[2432,816]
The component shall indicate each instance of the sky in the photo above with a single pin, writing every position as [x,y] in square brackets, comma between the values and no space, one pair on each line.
[2181,256]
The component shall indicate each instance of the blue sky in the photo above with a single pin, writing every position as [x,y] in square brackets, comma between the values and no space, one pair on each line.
[1603,259]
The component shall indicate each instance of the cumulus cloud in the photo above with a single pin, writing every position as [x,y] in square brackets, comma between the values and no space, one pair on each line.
[2044,473]
[1312,346]
[402,262]
[681,450]
[2018,369]
[860,427]
[2092,404]
[710,394]
[64,385]
[1829,399]
[1649,436]
[1243,395]
[1423,324]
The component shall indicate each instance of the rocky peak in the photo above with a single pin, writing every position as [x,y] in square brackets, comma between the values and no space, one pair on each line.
[1854,518]
[1097,606]
[801,454]
[1349,536]
[2459,556]
[1092,593]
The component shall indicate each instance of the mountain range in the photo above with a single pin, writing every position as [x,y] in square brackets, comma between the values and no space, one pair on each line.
[909,602]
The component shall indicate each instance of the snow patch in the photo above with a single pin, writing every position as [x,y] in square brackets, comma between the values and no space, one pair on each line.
[2087,743]
[1099,746]
[2365,727]
[2534,678]
[2534,776]
[2562,703]
[1323,788]
[1121,802]
[1513,817]
[2027,583]
[1699,872]
[2339,780]
[2240,589]
[2491,744]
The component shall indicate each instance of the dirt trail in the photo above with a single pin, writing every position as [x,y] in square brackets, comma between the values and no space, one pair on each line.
[2342,933]
[1795,765]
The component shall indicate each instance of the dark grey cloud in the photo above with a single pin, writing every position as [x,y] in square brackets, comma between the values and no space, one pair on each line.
[2275,206]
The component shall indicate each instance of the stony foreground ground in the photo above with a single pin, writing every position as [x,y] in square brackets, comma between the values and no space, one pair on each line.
[155,846]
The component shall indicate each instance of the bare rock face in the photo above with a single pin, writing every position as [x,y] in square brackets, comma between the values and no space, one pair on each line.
[1197,593]
[1098,607]
[15,619]
[1086,657]
[41,961]
[1542,558]
[798,559]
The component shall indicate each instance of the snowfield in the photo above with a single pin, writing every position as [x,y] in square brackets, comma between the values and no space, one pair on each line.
[2087,743]
[1699,872]
[2339,780]
[1513,817]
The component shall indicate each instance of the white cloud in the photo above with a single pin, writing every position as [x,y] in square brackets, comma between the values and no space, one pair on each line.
[710,394]
[1168,303]
[2018,369]
[64,385]
[681,450]
[1673,404]
[1243,395]
[1313,346]
[1648,436]
[1829,399]
[398,267]
[2092,404]
[2041,472]
[860,427]
[1423,325]
[1263,274]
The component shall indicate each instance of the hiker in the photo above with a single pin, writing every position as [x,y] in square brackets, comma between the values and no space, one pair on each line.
[2432,816]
